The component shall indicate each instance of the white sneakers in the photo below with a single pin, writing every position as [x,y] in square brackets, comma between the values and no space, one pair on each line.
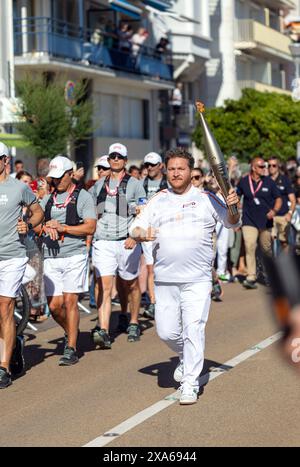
[178,373]
[189,395]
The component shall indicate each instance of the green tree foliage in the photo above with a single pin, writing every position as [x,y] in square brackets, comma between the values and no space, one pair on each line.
[258,124]
[48,122]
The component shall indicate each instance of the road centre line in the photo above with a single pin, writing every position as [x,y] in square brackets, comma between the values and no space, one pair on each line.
[149,412]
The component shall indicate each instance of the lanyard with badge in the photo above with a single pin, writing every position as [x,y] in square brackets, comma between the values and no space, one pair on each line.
[255,199]
[67,201]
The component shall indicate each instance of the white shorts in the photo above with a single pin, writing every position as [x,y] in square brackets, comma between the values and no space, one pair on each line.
[11,275]
[111,257]
[29,274]
[147,250]
[65,275]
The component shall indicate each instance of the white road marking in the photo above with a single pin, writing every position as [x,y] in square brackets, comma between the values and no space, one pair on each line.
[142,416]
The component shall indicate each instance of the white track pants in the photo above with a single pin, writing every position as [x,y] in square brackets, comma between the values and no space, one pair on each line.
[181,313]
[222,248]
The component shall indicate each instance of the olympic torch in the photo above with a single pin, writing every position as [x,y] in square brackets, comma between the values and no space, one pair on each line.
[215,157]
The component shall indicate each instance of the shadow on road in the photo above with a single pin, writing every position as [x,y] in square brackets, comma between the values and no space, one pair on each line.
[34,354]
[164,372]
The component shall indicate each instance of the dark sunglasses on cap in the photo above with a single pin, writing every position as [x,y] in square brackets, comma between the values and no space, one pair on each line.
[149,164]
[196,177]
[115,155]
[100,167]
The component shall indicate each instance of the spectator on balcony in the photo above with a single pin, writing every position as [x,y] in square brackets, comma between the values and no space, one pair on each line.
[125,33]
[98,33]
[162,47]
[111,37]
[138,39]
[177,99]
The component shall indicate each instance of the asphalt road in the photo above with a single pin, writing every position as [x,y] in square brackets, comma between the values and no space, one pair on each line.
[253,404]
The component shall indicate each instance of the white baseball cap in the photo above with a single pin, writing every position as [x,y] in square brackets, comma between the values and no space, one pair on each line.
[3,150]
[58,166]
[118,148]
[153,158]
[103,161]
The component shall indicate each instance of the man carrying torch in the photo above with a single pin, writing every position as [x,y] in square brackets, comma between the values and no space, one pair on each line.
[180,221]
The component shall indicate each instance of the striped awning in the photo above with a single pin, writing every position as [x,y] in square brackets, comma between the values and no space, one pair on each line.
[126,7]
[161,5]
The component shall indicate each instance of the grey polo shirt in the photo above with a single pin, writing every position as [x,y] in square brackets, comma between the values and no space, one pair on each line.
[14,195]
[72,244]
[109,225]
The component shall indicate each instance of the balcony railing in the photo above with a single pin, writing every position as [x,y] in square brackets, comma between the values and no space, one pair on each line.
[251,34]
[185,120]
[41,35]
[262,87]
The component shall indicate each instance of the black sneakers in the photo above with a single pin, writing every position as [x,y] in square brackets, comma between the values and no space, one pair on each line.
[249,284]
[17,363]
[5,378]
[123,322]
[101,338]
[134,332]
[149,312]
[69,357]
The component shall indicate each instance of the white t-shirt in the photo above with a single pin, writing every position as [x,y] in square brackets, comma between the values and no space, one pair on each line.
[183,250]
[177,97]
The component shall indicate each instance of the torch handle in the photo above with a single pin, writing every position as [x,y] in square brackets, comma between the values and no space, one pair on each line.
[233,210]
[221,175]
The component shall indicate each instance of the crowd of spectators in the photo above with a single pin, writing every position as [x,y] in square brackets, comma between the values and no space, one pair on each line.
[270,206]
[126,38]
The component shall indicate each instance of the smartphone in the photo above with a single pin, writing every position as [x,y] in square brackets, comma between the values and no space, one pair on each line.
[79,165]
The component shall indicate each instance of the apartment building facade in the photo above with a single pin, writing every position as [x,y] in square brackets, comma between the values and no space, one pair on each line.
[216,48]
[249,48]
[56,38]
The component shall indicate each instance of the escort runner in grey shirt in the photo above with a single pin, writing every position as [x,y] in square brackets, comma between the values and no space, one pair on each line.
[14,195]
[153,187]
[110,226]
[72,245]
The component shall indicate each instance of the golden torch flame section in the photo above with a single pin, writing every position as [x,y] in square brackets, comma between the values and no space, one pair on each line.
[200,107]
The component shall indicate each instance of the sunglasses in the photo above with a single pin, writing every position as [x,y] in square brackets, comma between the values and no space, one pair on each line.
[2,157]
[273,165]
[261,166]
[100,167]
[114,156]
[196,177]
[149,164]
